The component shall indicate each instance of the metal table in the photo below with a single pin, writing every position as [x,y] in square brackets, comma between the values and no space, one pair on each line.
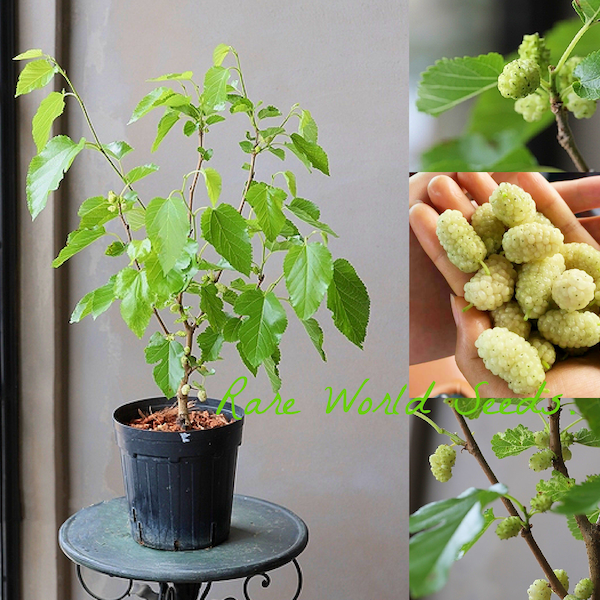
[264,536]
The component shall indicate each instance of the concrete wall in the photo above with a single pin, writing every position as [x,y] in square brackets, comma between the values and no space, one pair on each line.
[344,474]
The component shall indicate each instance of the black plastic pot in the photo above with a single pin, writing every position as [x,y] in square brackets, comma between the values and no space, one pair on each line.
[179,486]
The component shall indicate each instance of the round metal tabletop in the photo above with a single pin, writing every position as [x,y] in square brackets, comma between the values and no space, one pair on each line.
[263,536]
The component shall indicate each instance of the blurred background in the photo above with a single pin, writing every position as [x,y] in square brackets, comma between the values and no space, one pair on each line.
[456,28]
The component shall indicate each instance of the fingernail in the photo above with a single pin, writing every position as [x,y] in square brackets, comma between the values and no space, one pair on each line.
[431,186]
[455,309]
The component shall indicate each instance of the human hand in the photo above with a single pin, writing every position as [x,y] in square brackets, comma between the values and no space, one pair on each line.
[574,377]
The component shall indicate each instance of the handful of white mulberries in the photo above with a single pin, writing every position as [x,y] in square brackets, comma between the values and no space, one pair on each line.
[542,293]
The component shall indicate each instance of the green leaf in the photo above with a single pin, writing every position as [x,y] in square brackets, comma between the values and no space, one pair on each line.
[212,306]
[150,101]
[168,373]
[449,82]
[136,217]
[226,230]
[555,487]
[587,438]
[168,227]
[164,126]
[163,285]
[442,529]
[581,499]
[240,104]
[51,107]
[47,169]
[588,10]
[307,127]
[76,241]
[136,299]
[269,111]
[300,155]
[213,184]
[472,152]
[313,152]
[308,212]
[215,87]
[94,212]
[261,332]
[315,333]
[290,179]
[267,202]
[308,271]
[278,152]
[220,53]
[35,75]
[139,250]
[118,149]
[512,441]
[588,72]
[590,410]
[488,519]
[231,329]
[115,249]
[348,300]
[95,302]
[140,172]
[185,76]
[33,53]
[210,342]
[272,371]
[574,528]
[211,121]
[250,367]
[469,407]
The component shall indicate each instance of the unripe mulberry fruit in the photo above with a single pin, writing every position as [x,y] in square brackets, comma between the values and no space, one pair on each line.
[512,205]
[545,349]
[534,48]
[541,461]
[462,245]
[202,395]
[185,389]
[582,108]
[489,290]
[488,227]
[511,317]
[570,597]
[541,503]
[562,576]
[519,78]
[512,358]
[570,329]
[573,289]
[566,76]
[584,589]
[509,527]
[533,290]
[442,461]
[566,453]
[539,590]
[531,241]
[566,438]
[541,439]
[533,107]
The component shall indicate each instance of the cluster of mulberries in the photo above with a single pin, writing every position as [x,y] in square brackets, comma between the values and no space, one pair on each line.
[520,80]
[541,292]
[540,588]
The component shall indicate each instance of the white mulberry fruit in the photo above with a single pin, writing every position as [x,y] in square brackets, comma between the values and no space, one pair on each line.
[533,290]
[533,107]
[534,48]
[582,256]
[541,502]
[582,108]
[570,329]
[442,461]
[511,317]
[584,589]
[512,205]
[519,78]
[566,76]
[542,219]
[531,241]
[545,350]
[567,438]
[573,290]
[509,527]
[562,576]
[462,245]
[541,439]
[539,590]
[488,227]
[489,290]
[541,460]
[512,358]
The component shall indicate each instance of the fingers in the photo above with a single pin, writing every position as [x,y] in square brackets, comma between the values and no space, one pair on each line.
[550,203]
[592,225]
[580,194]
[445,194]
[417,186]
[423,221]
[479,185]
[470,325]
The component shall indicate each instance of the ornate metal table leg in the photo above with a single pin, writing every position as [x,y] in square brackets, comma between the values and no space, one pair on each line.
[266,581]
[87,589]
[183,591]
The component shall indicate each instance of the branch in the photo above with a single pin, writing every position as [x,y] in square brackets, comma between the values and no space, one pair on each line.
[474,450]
[195,180]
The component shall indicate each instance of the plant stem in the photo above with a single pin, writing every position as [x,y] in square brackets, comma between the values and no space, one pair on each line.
[589,531]
[457,440]
[196,175]
[474,450]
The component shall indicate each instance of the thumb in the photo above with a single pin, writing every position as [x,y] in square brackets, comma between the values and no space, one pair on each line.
[469,326]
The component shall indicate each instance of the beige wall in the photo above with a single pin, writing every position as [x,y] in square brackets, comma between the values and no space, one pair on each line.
[344,474]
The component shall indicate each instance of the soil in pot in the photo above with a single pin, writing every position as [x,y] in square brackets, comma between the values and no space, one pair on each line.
[165,419]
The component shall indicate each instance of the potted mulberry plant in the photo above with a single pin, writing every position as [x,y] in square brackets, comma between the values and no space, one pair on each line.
[193,263]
